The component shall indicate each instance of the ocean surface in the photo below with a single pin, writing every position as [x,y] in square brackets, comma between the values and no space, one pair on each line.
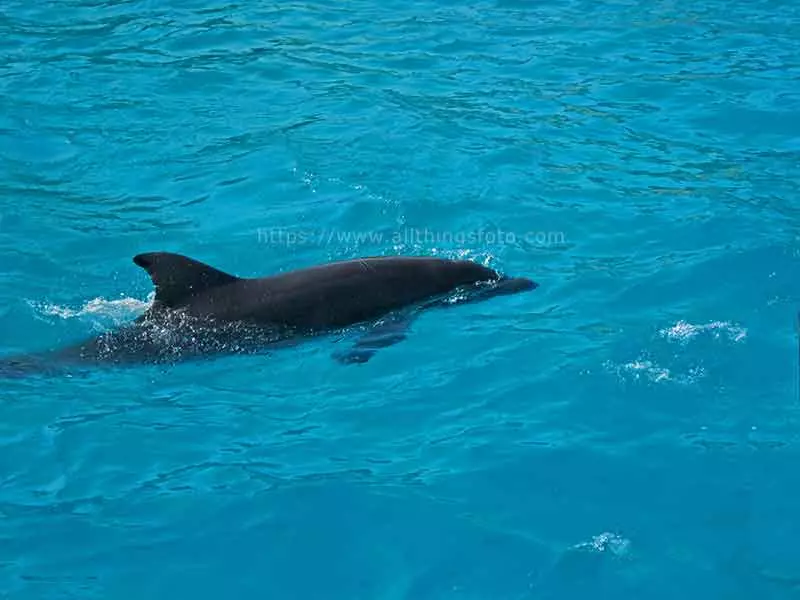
[627,430]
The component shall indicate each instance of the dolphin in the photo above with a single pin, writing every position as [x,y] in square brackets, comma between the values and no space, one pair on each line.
[200,311]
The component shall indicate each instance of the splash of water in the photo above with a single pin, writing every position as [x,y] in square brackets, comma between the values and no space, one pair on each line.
[683,331]
[100,312]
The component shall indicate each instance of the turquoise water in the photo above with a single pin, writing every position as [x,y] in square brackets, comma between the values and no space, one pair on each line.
[627,430]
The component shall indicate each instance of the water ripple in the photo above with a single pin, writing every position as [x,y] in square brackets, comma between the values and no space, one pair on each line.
[646,387]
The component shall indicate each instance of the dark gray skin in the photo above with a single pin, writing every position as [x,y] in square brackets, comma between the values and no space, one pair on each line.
[200,311]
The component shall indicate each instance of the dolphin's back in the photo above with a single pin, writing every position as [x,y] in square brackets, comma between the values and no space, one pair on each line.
[344,293]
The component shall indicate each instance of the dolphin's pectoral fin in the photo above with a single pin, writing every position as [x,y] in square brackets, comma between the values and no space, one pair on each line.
[388,332]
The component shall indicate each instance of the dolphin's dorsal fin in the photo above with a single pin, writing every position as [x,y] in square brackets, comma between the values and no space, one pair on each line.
[177,278]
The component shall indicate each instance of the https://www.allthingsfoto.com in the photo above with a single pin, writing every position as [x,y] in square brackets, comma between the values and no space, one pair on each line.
[413,236]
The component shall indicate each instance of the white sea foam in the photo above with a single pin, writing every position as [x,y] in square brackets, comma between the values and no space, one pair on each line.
[103,309]
[606,542]
[648,370]
[683,331]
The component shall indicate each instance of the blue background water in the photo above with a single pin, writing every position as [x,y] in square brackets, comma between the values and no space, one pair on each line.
[628,430]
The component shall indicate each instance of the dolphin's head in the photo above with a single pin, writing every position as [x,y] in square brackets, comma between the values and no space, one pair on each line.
[468,272]
[485,282]
[513,285]
[504,286]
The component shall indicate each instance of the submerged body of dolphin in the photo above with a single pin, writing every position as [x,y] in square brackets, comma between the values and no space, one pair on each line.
[199,310]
